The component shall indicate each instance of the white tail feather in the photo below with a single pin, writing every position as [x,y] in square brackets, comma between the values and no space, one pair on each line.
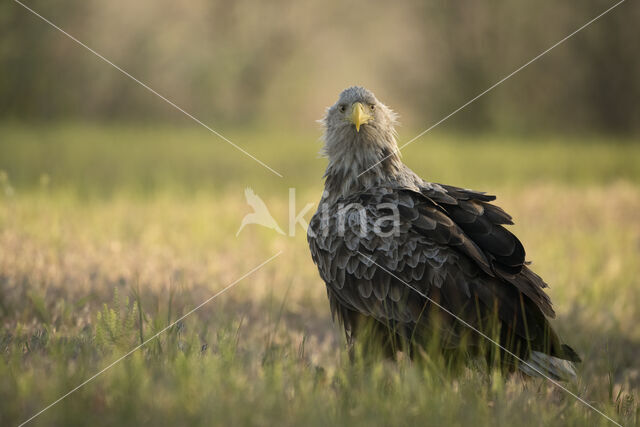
[552,367]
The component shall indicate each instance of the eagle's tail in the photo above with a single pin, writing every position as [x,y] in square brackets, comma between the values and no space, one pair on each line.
[541,365]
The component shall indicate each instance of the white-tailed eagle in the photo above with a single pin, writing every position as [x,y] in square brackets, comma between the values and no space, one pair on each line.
[419,260]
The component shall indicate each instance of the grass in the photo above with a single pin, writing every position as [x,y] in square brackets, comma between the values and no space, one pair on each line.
[110,233]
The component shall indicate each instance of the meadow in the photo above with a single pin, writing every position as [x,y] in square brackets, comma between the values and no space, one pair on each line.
[110,233]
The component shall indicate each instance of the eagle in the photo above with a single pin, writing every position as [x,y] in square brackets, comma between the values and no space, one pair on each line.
[415,265]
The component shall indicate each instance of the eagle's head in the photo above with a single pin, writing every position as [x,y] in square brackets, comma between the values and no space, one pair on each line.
[360,138]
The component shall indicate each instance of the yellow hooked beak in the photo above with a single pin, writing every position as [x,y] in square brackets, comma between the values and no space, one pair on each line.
[359,115]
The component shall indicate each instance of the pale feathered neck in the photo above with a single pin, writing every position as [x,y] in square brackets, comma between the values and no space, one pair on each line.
[352,156]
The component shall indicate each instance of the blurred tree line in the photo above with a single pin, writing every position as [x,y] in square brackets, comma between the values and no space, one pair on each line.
[283,61]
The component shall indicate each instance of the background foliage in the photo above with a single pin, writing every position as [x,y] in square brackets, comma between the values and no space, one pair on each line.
[284,61]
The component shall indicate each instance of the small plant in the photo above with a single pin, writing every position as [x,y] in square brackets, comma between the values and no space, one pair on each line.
[115,325]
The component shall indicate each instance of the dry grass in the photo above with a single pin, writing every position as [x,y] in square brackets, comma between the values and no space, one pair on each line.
[85,276]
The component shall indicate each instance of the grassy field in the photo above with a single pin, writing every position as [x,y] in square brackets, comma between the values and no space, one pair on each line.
[110,233]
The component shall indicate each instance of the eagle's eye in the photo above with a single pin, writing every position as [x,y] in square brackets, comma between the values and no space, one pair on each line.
[372,106]
[342,108]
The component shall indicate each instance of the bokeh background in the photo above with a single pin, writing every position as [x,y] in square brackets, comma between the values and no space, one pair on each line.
[118,214]
[260,62]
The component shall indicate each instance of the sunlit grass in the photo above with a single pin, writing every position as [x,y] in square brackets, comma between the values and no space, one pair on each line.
[99,161]
[109,234]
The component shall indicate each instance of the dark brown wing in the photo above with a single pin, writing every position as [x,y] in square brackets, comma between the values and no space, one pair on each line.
[389,276]
[484,223]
